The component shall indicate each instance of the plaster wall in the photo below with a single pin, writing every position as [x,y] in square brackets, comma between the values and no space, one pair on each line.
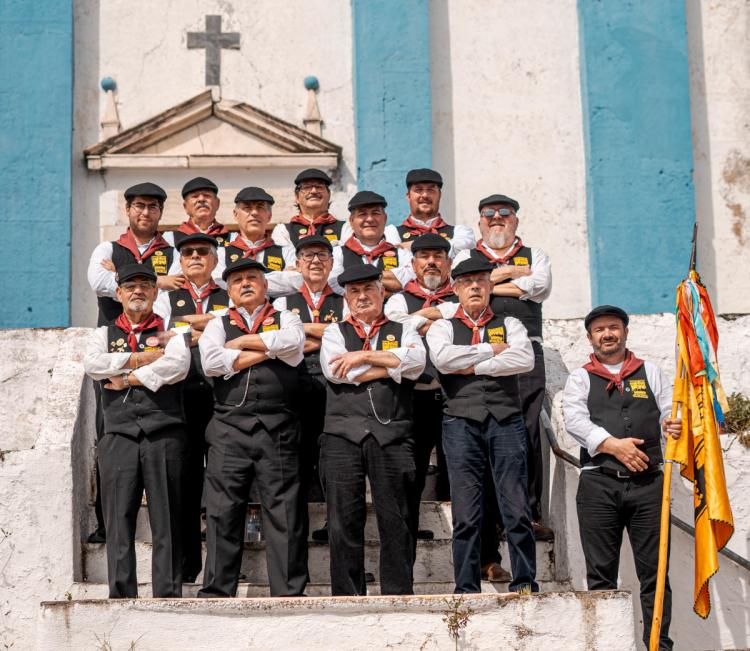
[154,70]
[506,115]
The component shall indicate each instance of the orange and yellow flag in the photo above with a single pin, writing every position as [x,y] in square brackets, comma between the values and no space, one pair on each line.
[698,391]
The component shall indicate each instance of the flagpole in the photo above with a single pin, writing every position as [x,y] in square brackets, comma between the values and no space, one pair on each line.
[661,573]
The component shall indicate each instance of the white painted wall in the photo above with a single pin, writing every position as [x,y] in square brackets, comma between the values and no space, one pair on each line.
[506,108]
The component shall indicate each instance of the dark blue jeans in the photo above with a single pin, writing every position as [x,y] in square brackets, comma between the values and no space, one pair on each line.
[469,447]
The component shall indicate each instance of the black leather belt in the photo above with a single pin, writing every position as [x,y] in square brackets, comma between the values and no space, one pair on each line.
[618,474]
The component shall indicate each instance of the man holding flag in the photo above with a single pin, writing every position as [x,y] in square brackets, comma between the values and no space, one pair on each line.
[615,407]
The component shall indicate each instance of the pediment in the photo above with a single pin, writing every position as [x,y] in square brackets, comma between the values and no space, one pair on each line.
[208,132]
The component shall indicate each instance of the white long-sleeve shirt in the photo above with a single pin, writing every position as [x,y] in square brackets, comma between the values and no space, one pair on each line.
[575,404]
[411,354]
[403,272]
[463,236]
[536,287]
[172,367]
[285,344]
[449,357]
[397,310]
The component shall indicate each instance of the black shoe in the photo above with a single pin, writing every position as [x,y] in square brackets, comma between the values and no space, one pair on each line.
[425,534]
[369,577]
[320,535]
[542,533]
[98,536]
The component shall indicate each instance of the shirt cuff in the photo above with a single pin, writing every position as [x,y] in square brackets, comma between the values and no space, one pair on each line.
[230,355]
[595,438]
[269,339]
[485,352]
[352,375]
[148,378]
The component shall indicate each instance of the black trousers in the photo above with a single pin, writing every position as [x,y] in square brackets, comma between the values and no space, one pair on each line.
[269,459]
[99,421]
[531,389]
[311,411]
[128,465]
[608,505]
[198,402]
[390,469]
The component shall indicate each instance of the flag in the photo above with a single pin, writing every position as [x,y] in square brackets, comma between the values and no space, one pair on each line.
[698,390]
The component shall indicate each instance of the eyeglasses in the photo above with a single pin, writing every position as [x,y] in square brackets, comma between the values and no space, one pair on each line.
[187,251]
[489,213]
[144,285]
[146,207]
[309,187]
[323,256]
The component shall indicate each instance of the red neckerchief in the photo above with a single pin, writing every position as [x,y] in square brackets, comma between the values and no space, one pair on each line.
[374,327]
[315,309]
[267,311]
[127,240]
[251,251]
[436,298]
[484,318]
[149,322]
[502,259]
[381,249]
[321,220]
[629,366]
[214,229]
[415,228]
[198,299]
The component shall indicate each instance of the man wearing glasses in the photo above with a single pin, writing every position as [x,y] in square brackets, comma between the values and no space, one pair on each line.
[522,280]
[188,310]
[140,369]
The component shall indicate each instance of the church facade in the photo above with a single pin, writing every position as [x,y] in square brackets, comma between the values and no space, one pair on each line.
[616,126]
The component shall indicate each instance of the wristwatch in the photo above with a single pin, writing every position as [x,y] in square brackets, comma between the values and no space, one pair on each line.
[126,380]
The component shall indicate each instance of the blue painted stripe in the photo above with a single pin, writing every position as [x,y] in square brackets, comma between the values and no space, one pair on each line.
[36,95]
[393,111]
[636,114]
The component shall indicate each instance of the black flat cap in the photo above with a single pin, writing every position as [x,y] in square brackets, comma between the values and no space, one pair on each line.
[366,198]
[196,238]
[314,240]
[312,174]
[606,310]
[471,266]
[253,194]
[199,183]
[145,190]
[242,263]
[430,241]
[358,273]
[134,270]
[423,175]
[499,198]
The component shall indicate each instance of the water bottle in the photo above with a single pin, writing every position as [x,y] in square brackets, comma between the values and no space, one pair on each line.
[253,526]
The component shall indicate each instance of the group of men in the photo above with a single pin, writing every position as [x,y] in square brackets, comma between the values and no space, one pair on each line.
[330,353]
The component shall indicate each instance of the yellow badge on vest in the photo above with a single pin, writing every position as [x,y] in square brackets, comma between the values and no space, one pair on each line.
[159,263]
[496,335]
[388,342]
[638,387]
[521,261]
[268,328]
[390,262]
[273,262]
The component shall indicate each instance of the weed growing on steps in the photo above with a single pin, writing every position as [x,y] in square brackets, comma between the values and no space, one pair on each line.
[456,617]
[737,419]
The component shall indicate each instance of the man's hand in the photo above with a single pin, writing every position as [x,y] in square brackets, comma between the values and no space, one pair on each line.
[406,245]
[469,370]
[499,348]
[342,364]
[311,345]
[626,452]
[170,282]
[116,383]
[671,427]
[195,336]
[423,330]
[108,265]
[509,272]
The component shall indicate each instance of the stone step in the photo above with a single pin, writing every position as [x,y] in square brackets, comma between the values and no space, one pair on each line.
[553,620]
[434,561]
[435,516]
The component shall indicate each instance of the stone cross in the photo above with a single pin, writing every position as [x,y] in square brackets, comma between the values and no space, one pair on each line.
[213,41]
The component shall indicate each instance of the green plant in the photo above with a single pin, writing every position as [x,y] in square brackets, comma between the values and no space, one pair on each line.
[737,419]
[456,617]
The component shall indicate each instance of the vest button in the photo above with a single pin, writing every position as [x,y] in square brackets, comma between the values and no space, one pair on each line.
[367,431]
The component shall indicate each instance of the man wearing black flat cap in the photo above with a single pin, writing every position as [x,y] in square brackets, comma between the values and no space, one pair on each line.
[313,198]
[423,192]
[200,199]
[187,311]
[618,407]
[141,370]
[370,364]
[522,280]
[479,356]
[252,211]
[369,245]
[252,354]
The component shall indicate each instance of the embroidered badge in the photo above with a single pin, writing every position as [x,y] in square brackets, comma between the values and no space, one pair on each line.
[152,341]
[520,261]
[234,257]
[496,335]
[180,303]
[273,262]
[407,235]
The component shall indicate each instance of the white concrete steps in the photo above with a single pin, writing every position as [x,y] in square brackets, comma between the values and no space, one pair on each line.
[434,561]
[569,620]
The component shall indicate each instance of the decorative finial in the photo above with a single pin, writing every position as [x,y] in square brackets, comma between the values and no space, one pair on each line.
[312,119]
[111,121]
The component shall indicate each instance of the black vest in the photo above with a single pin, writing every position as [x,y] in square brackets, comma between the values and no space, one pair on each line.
[634,413]
[263,393]
[407,236]
[297,231]
[160,261]
[183,304]
[414,304]
[384,262]
[222,240]
[477,396]
[139,409]
[273,256]
[330,312]
[380,407]
[527,312]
